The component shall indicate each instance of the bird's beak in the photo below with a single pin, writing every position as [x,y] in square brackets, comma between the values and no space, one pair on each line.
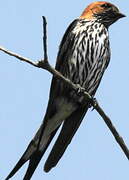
[120,15]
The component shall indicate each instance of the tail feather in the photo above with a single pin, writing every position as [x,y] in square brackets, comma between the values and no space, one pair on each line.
[21,162]
[34,158]
[69,128]
[33,163]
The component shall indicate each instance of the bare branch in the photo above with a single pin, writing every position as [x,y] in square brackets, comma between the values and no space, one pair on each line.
[44,64]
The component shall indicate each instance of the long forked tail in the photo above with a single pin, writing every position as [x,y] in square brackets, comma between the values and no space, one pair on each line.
[34,156]
[69,128]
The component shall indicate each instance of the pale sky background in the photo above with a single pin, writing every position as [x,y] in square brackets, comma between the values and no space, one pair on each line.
[93,153]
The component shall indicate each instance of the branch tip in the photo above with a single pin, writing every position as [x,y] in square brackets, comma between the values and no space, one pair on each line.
[45,38]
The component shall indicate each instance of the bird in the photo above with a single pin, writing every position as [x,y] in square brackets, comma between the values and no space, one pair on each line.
[83,57]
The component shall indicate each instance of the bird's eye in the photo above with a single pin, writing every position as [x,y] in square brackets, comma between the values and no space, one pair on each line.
[106,5]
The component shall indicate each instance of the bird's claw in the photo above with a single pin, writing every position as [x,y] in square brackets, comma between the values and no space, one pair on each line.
[80,90]
[95,102]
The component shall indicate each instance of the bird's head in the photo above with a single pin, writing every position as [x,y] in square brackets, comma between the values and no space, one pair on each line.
[104,12]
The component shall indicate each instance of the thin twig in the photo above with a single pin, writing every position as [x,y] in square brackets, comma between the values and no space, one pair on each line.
[21,58]
[45,65]
[45,38]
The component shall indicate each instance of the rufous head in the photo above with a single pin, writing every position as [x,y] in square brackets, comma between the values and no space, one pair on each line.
[104,11]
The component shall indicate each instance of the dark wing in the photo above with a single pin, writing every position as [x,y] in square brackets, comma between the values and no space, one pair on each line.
[57,86]
[72,123]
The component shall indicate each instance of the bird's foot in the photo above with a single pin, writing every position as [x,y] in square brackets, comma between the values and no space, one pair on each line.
[80,90]
[95,102]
